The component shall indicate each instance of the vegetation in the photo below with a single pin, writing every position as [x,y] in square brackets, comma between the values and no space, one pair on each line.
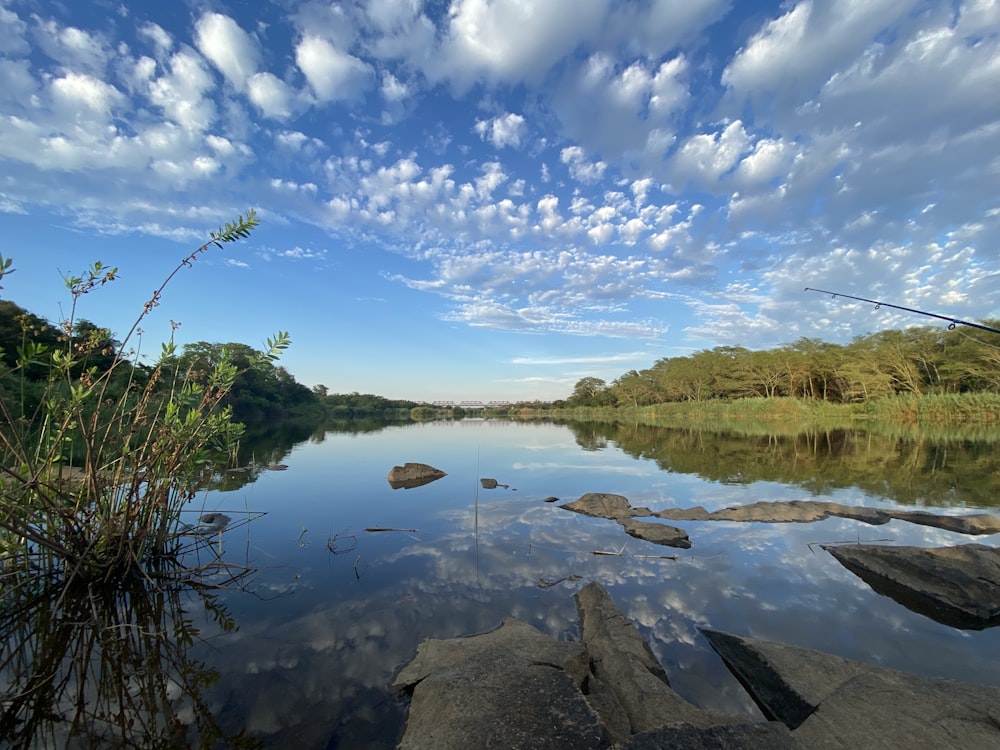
[918,374]
[99,454]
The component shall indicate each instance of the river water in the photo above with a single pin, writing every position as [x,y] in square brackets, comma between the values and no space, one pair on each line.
[333,610]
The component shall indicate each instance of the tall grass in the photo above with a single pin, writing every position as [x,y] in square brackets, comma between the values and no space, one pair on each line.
[95,472]
[935,410]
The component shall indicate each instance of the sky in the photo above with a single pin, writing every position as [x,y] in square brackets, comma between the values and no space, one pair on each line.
[492,199]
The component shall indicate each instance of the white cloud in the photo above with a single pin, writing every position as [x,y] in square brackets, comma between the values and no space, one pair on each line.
[579,168]
[230,49]
[511,40]
[504,130]
[332,73]
[624,115]
[706,157]
[82,91]
[393,90]
[12,33]
[792,56]
[271,95]
[181,94]
[72,46]
[158,36]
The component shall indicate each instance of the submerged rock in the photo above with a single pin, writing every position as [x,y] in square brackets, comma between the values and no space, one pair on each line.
[411,475]
[517,688]
[957,586]
[835,703]
[618,508]
[808,511]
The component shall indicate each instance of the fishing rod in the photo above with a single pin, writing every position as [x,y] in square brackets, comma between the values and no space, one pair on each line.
[952,322]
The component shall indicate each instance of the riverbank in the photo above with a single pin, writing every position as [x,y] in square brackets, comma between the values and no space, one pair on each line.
[928,411]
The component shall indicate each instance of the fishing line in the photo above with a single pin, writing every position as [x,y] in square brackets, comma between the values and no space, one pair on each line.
[952,322]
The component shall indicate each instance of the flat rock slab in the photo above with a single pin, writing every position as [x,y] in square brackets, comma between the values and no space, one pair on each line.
[808,511]
[618,508]
[957,586]
[767,736]
[512,687]
[515,687]
[412,474]
[832,703]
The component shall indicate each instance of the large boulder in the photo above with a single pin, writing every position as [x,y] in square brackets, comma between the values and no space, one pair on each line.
[832,703]
[957,586]
[517,688]
[411,475]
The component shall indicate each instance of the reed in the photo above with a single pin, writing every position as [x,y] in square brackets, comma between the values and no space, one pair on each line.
[97,467]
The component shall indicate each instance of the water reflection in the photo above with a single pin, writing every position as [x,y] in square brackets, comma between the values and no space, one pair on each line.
[336,609]
[90,664]
[910,468]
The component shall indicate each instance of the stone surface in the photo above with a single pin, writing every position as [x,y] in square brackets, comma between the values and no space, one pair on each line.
[618,508]
[658,533]
[605,505]
[835,704]
[957,586]
[767,736]
[411,475]
[517,688]
[512,687]
[808,511]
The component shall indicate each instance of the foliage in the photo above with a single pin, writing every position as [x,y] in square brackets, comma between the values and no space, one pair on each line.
[94,476]
[920,361]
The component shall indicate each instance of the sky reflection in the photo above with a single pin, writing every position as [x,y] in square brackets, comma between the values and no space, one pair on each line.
[320,642]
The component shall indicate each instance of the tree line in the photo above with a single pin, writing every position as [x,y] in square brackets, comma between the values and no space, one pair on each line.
[916,361]
[264,391]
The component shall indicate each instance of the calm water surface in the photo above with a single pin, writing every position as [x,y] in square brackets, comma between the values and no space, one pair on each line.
[335,610]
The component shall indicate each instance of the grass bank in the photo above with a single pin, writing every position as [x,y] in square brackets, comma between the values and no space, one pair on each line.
[940,410]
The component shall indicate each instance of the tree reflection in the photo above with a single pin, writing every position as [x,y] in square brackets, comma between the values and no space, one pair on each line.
[93,664]
[909,467]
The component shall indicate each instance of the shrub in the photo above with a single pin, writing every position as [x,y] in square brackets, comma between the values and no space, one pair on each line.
[93,478]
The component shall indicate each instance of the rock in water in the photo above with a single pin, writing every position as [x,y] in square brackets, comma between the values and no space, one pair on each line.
[411,475]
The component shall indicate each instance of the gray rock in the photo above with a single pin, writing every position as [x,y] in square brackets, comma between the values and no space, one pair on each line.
[834,703]
[605,505]
[411,475]
[808,511]
[764,736]
[517,688]
[488,484]
[658,533]
[512,687]
[957,586]
[624,665]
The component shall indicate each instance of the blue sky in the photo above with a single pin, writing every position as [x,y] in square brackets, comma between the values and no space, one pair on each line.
[491,199]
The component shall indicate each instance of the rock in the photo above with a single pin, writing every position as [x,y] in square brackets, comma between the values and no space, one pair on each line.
[618,508]
[551,500]
[511,688]
[517,688]
[626,674]
[835,703]
[604,505]
[411,475]
[492,484]
[808,511]
[769,735]
[658,533]
[209,523]
[957,586]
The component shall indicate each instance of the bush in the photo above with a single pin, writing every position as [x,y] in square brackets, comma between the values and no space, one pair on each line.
[95,469]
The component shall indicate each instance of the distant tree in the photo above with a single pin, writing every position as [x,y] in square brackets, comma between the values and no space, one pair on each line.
[590,392]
